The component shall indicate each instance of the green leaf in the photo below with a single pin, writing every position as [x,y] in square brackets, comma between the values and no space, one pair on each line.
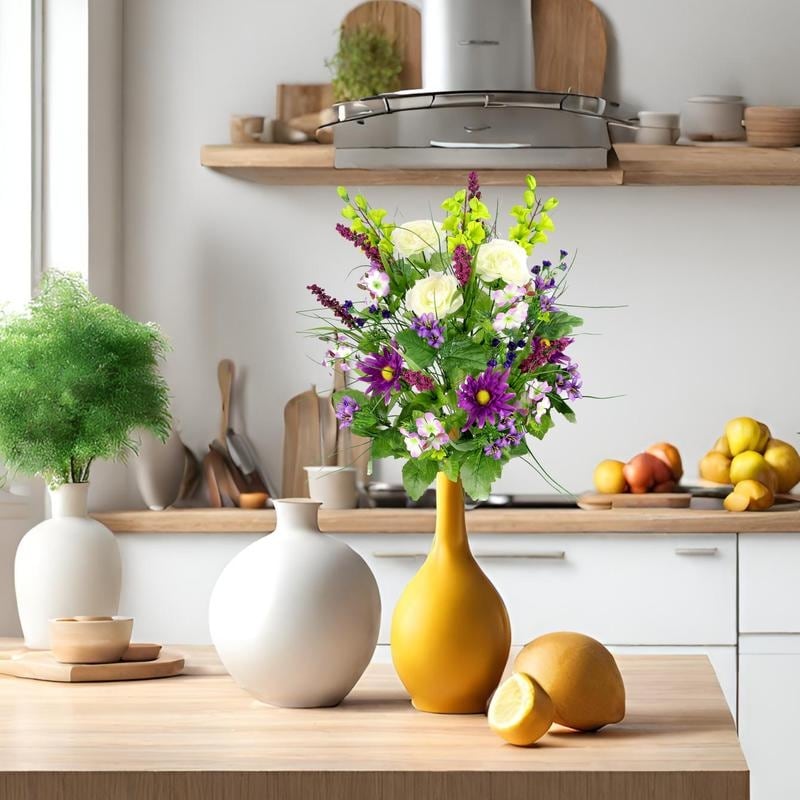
[418,475]
[478,473]
[461,357]
[418,353]
[451,466]
[540,429]
[562,408]
[560,324]
[388,443]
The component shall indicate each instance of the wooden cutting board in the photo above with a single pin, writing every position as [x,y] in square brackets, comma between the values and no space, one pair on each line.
[40,665]
[302,442]
[570,46]
[592,501]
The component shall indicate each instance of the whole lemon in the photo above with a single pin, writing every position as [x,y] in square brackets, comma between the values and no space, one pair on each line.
[784,459]
[746,433]
[751,465]
[715,466]
[579,675]
[608,477]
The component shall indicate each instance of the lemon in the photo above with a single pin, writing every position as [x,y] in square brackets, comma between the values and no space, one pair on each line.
[608,477]
[521,712]
[751,465]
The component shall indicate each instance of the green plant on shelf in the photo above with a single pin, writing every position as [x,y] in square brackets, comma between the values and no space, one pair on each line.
[77,377]
[366,63]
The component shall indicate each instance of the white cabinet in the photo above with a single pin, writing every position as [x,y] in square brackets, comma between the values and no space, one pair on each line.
[769,710]
[624,589]
[769,582]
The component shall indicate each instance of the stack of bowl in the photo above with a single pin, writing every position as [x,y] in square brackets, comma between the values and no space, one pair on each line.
[658,127]
[772,126]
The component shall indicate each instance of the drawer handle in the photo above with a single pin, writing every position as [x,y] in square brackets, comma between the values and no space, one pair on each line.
[696,551]
[544,555]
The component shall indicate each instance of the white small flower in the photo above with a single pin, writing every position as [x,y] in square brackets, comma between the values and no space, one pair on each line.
[341,353]
[511,318]
[438,294]
[417,236]
[428,425]
[413,443]
[376,282]
[509,294]
[537,394]
[504,259]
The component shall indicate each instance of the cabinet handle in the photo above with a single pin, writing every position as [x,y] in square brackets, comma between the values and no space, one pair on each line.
[544,555]
[696,551]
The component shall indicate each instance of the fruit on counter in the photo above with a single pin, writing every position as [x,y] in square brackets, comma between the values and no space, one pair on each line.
[785,460]
[715,466]
[746,433]
[609,477]
[669,454]
[749,495]
[580,676]
[751,465]
[521,711]
[647,473]
[722,446]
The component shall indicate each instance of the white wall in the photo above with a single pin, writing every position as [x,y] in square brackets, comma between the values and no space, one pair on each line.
[709,274]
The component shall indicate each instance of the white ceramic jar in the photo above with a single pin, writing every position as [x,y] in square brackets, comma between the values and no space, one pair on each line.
[66,566]
[295,615]
[158,468]
[713,118]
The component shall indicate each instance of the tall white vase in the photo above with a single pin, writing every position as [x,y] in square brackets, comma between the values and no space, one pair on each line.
[295,615]
[66,566]
[158,467]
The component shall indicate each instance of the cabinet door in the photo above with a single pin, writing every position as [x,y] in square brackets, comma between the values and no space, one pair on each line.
[626,589]
[769,708]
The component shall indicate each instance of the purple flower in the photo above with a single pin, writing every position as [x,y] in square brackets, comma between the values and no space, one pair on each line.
[564,254]
[427,327]
[462,263]
[361,241]
[473,186]
[345,410]
[382,371]
[485,397]
[494,449]
[339,309]
[417,380]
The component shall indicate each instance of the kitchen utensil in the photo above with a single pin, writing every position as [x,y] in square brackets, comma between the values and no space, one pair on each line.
[658,127]
[402,24]
[89,640]
[246,129]
[244,456]
[301,442]
[772,126]
[40,665]
[141,651]
[284,133]
[713,117]
[592,501]
[295,99]
[253,500]
[570,46]
[334,487]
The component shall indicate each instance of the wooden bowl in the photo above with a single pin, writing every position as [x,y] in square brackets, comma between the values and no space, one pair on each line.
[253,499]
[90,640]
[772,126]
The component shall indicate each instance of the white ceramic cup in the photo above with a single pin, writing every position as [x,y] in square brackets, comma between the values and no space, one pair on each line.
[334,487]
[713,118]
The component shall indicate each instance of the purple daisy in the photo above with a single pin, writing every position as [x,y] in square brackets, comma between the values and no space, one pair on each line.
[382,371]
[345,411]
[485,397]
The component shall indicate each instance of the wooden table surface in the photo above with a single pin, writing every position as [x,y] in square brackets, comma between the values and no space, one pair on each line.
[201,737]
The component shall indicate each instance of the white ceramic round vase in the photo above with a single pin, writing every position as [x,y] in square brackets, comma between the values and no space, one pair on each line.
[67,566]
[295,615]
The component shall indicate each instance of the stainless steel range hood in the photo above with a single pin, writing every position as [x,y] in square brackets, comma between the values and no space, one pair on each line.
[479,108]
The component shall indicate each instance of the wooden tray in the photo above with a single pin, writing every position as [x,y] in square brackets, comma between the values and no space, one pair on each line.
[593,501]
[40,665]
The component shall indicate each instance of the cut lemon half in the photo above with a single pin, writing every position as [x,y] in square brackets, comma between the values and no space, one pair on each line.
[521,712]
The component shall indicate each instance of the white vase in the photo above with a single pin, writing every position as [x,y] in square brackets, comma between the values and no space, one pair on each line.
[295,615]
[66,566]
[158,467]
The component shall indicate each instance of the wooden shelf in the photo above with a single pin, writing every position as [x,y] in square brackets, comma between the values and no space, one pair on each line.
[312,165]
[634,165]
[393,520]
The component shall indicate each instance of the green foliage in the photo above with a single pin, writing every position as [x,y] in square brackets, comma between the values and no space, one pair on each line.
[366,63]
[77,376]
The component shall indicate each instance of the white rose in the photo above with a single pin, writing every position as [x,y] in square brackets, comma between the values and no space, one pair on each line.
[417,236]
[438,294]
[501,258]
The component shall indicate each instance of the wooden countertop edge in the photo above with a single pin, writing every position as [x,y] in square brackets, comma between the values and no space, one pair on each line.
[392,520]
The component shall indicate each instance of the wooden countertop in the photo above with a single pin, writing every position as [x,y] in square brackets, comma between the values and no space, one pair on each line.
[201,737]
[402,520]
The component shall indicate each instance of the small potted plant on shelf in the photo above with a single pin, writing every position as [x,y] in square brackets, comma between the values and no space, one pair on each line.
[460,347]
[77,378]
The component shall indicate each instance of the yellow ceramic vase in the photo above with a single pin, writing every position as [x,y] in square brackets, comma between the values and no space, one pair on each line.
[450,629]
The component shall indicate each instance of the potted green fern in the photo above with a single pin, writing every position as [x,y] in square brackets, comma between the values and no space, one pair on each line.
[77,378]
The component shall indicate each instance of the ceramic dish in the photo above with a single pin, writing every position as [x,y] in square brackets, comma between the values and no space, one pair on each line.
[90,640]
[713,118]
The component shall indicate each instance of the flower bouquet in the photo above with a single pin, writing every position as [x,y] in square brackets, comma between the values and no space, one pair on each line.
[459,347]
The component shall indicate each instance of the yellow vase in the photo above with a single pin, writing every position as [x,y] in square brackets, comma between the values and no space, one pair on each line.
[450,629]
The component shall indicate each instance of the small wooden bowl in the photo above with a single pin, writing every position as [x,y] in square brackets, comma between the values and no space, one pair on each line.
[253,499]
[90,640]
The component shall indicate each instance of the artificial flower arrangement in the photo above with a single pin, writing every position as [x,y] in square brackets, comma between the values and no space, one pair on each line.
[460,344]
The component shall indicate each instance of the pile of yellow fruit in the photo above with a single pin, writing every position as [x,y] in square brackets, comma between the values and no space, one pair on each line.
[758,466]
[563,677]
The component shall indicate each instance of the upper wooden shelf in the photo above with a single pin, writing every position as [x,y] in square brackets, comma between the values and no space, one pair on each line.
[633,165]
